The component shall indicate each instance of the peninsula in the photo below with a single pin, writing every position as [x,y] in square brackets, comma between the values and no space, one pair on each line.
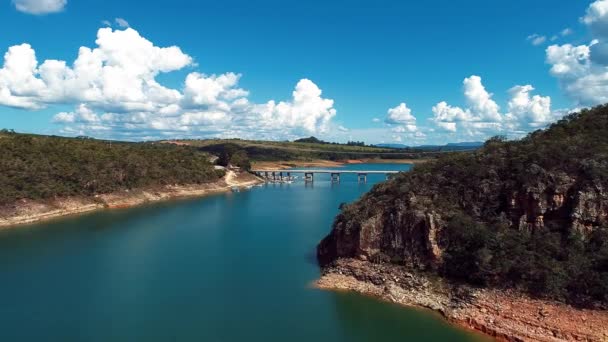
[44,177]
[511,240]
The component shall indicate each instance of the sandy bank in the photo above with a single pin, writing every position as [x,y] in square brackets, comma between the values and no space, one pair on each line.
[506,316]
[28,211]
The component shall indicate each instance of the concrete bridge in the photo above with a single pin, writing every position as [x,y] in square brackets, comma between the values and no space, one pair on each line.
[309,174]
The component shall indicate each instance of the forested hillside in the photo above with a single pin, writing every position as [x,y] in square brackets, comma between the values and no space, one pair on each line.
[306,149]
[40,167]
[529,214]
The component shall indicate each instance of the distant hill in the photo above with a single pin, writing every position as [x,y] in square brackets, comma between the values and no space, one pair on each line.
[468,143]
[304,149]
[448,147]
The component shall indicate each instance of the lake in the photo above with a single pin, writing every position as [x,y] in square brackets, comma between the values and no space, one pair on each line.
[228,267]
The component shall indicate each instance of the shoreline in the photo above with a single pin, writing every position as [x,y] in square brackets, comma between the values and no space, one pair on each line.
[26,212]
[502,315]
[286,164]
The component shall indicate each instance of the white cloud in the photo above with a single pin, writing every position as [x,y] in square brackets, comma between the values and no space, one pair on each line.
[39,7]
[536,39]
[479,100]
[482,117]
[481,107]
[568,61]
[376,120]
[400,115]
[307,112]
[533,111]
[402,121]
[210,90]
[597,17]
[444,112]
[343,129]
[566,32]
[115,93]
[82,114]
[121,22]
[581,79]
[582,69]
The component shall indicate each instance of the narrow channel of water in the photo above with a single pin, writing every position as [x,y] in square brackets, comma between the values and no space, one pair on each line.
[231,267]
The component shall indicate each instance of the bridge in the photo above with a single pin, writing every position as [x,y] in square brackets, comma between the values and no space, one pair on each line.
[281,175]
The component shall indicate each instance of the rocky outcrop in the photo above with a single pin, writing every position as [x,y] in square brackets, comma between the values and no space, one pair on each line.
[409,230]
[405,234]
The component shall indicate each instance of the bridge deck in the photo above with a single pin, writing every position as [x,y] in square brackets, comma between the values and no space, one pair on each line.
[329,171]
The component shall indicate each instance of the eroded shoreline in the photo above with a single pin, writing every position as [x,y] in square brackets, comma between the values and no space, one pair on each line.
[27,211]
[503,315]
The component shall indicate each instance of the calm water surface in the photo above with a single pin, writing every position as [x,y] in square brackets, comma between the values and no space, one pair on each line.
[232,267]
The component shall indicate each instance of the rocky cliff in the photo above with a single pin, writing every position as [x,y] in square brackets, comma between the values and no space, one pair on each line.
[530,216]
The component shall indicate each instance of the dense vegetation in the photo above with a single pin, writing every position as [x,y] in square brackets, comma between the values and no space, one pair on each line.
[314,140]
[233,155]
[310,140]
[502,225]
[306,149]
[40,167]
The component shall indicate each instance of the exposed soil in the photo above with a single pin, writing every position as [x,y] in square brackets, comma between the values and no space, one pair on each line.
[28,211]
[504,315]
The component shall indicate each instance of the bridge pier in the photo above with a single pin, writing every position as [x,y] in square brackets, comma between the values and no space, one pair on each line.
[309,177]
[361,177]
[335,177]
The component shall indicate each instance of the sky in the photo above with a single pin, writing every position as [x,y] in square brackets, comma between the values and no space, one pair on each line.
[409,72]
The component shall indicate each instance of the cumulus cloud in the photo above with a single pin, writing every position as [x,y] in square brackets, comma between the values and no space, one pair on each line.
[81,114]
[400,115]
[582,69]
[525,110]
[482,117]
[115,92]
[39,7]
[307,112]
[402,121]
[481,107]
[596,17]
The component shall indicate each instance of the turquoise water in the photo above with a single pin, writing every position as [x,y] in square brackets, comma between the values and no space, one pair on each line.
[230,267]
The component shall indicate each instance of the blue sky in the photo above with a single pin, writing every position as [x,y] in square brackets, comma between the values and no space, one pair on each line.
[367,57]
